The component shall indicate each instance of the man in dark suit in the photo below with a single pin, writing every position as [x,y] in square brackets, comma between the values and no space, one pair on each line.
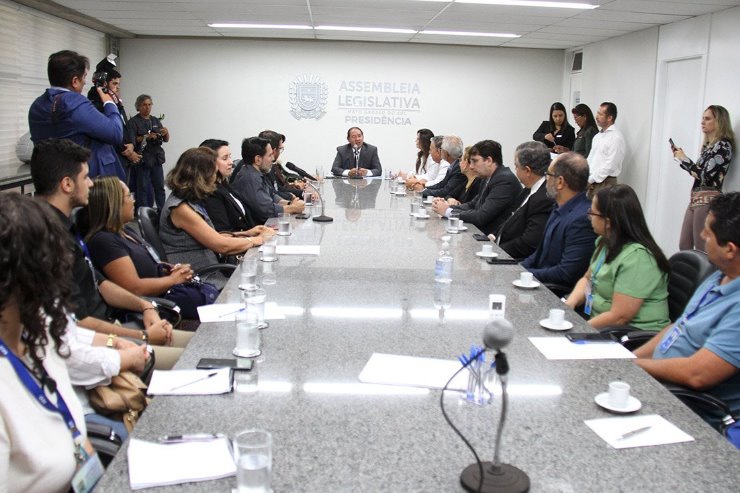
[499,190]
[568,242]
[452,151]
[356,159]
[522,231]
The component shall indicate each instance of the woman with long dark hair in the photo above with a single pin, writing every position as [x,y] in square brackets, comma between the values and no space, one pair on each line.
[708,171]
[556,133]
[584,118]
[37,446]
[627,280]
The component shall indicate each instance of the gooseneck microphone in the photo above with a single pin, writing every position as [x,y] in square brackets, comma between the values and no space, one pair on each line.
[497,477]
[322,218]
[296,169]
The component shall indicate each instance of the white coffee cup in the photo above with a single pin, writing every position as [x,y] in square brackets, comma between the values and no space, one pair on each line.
[557,317]
[486,249]
[526,278]
[422,212]
[461,225]
[619,394]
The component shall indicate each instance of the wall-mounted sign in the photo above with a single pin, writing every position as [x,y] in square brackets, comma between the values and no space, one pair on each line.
[378,102]
[308,95]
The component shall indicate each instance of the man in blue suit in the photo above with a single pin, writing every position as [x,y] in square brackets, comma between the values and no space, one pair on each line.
[62,112]
[568,242]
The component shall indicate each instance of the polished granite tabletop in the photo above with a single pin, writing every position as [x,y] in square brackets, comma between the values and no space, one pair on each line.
[371,290]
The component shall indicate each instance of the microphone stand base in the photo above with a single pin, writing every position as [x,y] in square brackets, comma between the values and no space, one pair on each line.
[502,479]
[323,219]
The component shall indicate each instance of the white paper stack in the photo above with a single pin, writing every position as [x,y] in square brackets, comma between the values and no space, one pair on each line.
[190,382]
[562,348]
[411,371]
[650,429]
[155,464]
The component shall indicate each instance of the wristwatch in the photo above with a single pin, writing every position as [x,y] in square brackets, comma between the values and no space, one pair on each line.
[144,336]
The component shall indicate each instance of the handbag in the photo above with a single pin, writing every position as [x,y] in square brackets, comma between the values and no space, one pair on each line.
[123,399]
[190,295]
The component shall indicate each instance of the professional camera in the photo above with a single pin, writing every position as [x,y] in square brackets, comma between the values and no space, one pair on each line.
[100,79]
[158,140]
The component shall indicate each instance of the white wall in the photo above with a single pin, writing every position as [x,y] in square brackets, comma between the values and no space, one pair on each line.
[232,89]
[622,70]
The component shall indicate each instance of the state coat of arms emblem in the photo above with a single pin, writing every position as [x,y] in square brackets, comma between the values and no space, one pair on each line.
[308,95]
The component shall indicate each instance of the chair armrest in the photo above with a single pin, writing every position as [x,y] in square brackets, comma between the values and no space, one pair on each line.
[226,269]
[633,340]
[705,400]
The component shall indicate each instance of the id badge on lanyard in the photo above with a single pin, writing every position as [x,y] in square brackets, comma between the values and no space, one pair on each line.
[89,469]
[589,304]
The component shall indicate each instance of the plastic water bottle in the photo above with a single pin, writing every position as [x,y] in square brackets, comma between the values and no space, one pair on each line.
[443,267]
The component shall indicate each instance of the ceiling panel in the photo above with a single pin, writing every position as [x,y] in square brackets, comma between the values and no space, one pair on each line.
[539,27]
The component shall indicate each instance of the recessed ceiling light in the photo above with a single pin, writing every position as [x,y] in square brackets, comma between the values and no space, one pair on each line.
[258,26]
[366,29]
[527,3]
[466,33]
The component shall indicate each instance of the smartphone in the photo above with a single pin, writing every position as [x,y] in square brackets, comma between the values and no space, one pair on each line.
[581,337]
[501,261]
[242,364]
[673,146]
[480,237]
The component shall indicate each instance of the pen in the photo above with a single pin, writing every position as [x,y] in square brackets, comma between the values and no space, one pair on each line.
[191,437]
[632,433]
[232,313]
[212,374]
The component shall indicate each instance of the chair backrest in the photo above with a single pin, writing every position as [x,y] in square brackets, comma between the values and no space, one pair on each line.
[149,226]
[688,269]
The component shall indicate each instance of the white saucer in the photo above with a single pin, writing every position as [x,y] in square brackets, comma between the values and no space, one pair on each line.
[545,322]
[450,232]
[417,216]
[633,404]
[486,255]
[462,228]
[240,354]
[426,201]
[518,283]
[284,234]
[273,259]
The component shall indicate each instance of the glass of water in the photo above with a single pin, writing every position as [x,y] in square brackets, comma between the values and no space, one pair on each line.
[254,461]
[269,249]
[248,274]
[284,224]
[247,335]
[254,299]
[453,223]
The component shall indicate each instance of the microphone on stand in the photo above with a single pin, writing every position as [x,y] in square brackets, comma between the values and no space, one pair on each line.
[322,218]
[298,170]
[497,477]
[356,150]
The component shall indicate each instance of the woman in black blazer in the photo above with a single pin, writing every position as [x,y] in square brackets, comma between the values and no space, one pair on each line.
[556,133]
[225,207]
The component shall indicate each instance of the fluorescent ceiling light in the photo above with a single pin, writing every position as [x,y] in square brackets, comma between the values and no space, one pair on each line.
[527,3]
[260,26]
[366,29]
[465,33]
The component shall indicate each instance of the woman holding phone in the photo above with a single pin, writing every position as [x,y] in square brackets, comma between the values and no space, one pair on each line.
[708,171]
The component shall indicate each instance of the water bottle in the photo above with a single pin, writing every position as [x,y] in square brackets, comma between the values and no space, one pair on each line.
[443,267]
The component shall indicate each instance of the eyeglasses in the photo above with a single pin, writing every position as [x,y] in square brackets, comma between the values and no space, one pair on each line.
[547,173]
[592,213]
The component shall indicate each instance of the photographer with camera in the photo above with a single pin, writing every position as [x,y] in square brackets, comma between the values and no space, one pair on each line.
[108,78]
[62,112]
[149,134]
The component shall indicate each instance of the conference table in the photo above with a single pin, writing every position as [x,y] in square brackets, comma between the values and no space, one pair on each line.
[372,290]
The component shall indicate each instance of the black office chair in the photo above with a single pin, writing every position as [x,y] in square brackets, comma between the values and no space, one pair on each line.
[704,403]
[689,268]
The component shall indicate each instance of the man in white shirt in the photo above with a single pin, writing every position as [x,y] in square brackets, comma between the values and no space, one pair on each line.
[436,172]
[607,151]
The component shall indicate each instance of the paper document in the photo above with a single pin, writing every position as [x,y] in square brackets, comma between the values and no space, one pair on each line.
[638,431]
[226,312]
[562,348]
[190,382]
[155,464]
[411,371]
[298,249]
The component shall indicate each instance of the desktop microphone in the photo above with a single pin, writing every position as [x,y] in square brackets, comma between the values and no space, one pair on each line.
[497,477]
[322,218]
[298,170]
